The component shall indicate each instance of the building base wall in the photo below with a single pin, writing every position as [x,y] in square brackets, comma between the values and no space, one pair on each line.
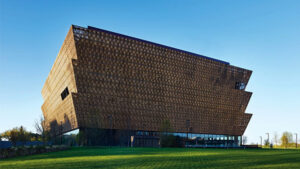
[131,138]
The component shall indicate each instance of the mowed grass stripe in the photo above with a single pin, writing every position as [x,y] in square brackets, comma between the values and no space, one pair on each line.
[99,157]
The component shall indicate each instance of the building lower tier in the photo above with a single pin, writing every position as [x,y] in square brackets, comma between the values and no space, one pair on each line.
[133,138]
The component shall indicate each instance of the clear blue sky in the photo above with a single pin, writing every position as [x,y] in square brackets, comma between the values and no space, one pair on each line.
[260,35]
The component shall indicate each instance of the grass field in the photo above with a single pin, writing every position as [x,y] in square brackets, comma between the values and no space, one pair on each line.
[158,158]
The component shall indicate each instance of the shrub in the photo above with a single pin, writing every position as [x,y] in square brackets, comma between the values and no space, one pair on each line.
[21,151]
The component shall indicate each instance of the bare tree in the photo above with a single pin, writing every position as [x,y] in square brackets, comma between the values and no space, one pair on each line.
[40,128]
[244,140]
[266,142]
[38,124]
[276,138]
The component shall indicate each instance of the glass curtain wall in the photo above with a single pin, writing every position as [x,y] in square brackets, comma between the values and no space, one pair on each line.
[201,140]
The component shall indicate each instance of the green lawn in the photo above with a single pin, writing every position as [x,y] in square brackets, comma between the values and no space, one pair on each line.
[158,158]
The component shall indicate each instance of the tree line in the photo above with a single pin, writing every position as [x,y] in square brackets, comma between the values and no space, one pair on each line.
[284,141]
[20,134]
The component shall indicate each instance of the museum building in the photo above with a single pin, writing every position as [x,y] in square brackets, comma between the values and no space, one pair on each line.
[121,90]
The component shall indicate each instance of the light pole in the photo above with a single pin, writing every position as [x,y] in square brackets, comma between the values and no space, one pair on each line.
[261,141]
[268,138]
[110,132]
[128,131]
[187,129]
[296,140]
[61,128]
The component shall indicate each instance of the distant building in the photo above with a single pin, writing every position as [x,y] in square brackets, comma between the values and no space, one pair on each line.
[118,89]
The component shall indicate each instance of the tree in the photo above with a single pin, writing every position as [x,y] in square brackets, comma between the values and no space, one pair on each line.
[165,127]
[17,134]
[40,127]
[166,139]
[11,135]
[23,135]
[286,138]
[81,138]
[276,139]
[171,141]
[244,140]
[266,142]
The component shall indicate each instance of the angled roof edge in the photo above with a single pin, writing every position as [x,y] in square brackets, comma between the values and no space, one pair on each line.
[164,46]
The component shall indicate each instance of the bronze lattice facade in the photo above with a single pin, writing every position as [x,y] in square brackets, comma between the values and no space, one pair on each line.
[106,80]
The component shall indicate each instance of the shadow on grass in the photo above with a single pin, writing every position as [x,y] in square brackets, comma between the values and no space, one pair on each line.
[158,158]
[105,151]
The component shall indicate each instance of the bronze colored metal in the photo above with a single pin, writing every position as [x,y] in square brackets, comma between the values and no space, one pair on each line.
[120,82]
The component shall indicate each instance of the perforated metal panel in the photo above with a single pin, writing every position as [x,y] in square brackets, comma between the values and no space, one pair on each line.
[121,82]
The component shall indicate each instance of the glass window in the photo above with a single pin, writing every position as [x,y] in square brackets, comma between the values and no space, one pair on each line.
[65,93]
[240,85]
